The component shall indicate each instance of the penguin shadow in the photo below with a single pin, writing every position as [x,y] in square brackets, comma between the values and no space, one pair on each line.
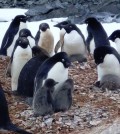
[48,100]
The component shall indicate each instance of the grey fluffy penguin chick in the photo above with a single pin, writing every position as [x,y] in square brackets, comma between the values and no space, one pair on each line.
[62,97]
[110,82]
[42,100]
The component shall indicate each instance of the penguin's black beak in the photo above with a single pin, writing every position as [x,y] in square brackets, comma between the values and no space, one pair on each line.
[56,82]
[28,18]
[58,26]
[68,63]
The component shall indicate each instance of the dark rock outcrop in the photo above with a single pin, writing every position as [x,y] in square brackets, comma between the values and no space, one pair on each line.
[75,10]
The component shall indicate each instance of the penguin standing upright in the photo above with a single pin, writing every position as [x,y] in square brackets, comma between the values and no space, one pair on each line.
[62,33]
[12,34]
[73,43]
[115,37]
[107,60]
[28,72]
[56,68]
[44,38]
[5,122]
[42,101]
[27,33]
[21,54]
[95,31]
[62,97]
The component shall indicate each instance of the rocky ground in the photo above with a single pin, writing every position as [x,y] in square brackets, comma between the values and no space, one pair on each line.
[92,111]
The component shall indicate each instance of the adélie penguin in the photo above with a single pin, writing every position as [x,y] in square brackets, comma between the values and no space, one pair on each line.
[44,38]
[27,33]
[22,53]
[62,33]
[56,68]
[42,100]
[108,62]
[28,72]
[97,33]
[62,96]
[115,37]
[5,121]
[12,34]
[73,43]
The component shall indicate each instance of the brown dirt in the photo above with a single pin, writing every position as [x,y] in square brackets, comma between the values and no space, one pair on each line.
[82,95]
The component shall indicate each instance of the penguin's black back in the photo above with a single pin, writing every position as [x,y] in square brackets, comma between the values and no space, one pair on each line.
[100,53]
[10,33]
[5,122]
[4,114]
[28,73]
[96,31]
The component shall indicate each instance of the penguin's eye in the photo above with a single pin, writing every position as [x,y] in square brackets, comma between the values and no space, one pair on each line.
[63,60]
[70,26]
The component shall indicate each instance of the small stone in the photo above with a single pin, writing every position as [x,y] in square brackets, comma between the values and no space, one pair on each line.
[95,122]
[48,121]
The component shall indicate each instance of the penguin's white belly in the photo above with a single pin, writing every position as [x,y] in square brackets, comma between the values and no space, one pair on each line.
[117,41]
[113,44]
[47,41]
[21,57]
[10,49]
[73,43]
[92,46]
[31,41]
[110,66]
[59,73]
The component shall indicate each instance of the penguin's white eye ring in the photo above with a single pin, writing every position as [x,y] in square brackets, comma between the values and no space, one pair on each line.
[70,26]
[63,60]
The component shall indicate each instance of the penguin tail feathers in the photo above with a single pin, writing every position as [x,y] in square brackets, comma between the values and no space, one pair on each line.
[12,127]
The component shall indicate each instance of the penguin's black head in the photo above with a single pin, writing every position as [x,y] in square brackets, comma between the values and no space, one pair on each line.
[91,20]
[25,33]
[43,27]
[23,42]
[61,24]
[38,51]
[114,35]
[70,27]
[101,52]
[49,83]
[20,18]
[62,57]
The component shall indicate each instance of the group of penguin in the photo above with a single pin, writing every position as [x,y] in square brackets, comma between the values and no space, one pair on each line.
[40,73]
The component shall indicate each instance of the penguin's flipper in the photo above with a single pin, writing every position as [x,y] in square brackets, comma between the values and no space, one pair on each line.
[58,45]
[37,37]
[12,127]
[7,41]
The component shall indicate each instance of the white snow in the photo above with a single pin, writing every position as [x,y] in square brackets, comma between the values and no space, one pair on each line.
[7,14]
